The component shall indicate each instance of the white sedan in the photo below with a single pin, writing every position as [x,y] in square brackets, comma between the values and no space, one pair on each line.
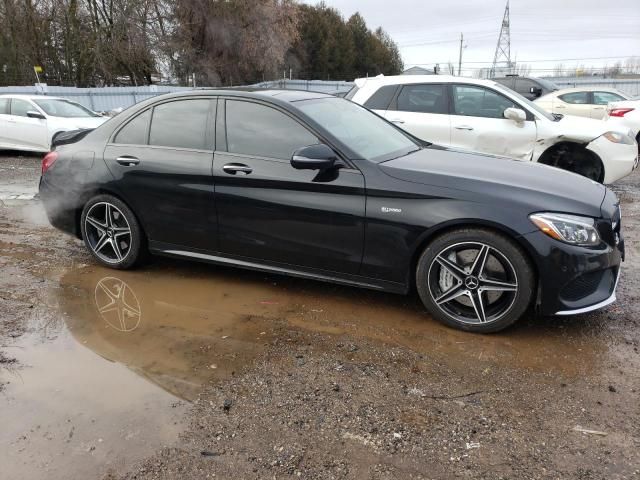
[29,122]
[589,102]
[484,116]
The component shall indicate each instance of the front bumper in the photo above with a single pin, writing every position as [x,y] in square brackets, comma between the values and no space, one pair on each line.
[619,159]
[574,280]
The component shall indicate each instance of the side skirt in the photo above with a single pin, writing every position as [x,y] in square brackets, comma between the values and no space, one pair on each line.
[282,269]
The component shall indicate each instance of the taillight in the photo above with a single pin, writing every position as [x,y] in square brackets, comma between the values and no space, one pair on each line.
[620,112]
[48,160]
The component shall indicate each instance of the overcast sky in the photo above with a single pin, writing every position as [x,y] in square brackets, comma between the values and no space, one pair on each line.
[428,32]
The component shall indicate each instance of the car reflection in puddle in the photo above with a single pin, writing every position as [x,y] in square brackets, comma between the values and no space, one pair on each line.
[181,326]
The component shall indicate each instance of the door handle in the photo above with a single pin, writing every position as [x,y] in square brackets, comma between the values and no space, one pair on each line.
[397,121]
[128,161]
[560,106]
[233,168]
[464,127]
[598,108]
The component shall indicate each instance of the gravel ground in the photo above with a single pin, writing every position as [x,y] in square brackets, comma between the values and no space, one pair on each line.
[350,384]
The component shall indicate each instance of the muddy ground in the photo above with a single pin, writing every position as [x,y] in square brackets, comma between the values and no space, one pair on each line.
[181,371]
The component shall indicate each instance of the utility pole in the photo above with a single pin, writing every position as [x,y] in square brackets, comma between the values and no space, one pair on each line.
[503,49]
[460,55]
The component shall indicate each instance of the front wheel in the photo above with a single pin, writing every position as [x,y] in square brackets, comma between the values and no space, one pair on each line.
[111,232]
[475,280]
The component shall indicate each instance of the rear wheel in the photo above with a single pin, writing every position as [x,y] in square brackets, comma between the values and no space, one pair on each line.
[111,232]
[475,280]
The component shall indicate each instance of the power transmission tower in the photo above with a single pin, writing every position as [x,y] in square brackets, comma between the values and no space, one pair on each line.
[503,49]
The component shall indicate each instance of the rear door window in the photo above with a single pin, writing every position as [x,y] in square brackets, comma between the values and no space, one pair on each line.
[575,98]
[135,132]
[423,98]
[182,124]
[382,98]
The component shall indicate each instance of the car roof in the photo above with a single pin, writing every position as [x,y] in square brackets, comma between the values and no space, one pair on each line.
[409,79]
[586,89]
[283,95]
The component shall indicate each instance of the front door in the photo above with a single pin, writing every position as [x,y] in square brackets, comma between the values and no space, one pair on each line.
[162,158]
[269,211]
[24,131]
[478,124]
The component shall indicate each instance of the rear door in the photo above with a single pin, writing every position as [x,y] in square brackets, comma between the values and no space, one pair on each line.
[423,110]
[478,123]
[26,132]
[270,212]
[573,103]
[161,160]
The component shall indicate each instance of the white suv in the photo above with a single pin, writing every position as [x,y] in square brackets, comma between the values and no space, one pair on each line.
[487,117]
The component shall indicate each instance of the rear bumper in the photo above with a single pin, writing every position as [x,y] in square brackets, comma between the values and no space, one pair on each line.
[619,160]
[61,212]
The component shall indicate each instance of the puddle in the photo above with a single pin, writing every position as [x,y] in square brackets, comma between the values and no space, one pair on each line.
[107,383]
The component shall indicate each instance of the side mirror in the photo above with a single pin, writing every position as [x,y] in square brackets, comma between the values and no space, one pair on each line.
[535,91]
[515,114]
[314,157]
[34,114]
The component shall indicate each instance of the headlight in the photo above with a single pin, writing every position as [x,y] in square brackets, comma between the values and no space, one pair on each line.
[567,228]
[617,137]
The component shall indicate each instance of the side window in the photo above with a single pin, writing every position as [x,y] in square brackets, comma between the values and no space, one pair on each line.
[425,98]
[254,129]
[524,86]
[480,102]
[578,98]
[603,98]
[135,132]
[182,124]
[382,98]
[4,106]
[20,107]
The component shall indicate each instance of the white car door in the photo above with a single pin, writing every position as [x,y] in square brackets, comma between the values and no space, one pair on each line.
[422,110]
[25,132]
[573,103]
[478,123]
[4,122]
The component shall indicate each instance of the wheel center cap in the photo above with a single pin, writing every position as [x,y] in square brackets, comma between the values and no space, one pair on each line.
[110,232]
[471,282]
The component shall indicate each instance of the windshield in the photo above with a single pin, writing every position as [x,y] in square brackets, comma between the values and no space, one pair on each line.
[531,105]
[547,84]
[64,108]
[366,134]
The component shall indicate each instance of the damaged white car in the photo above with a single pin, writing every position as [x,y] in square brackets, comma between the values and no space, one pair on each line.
[484,116]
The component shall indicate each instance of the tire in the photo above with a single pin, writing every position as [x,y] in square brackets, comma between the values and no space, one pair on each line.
[473,292]
[112,233]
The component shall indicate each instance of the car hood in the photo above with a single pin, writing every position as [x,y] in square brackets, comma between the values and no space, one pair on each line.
[531,186]
[579,128]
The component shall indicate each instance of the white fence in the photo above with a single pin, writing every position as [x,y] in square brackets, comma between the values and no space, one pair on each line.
[109,98]
[99,99]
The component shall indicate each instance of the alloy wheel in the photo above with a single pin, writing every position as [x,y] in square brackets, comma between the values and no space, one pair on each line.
[472,282]
[108,232]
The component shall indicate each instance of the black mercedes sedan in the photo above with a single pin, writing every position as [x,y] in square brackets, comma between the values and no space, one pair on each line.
[315,186]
